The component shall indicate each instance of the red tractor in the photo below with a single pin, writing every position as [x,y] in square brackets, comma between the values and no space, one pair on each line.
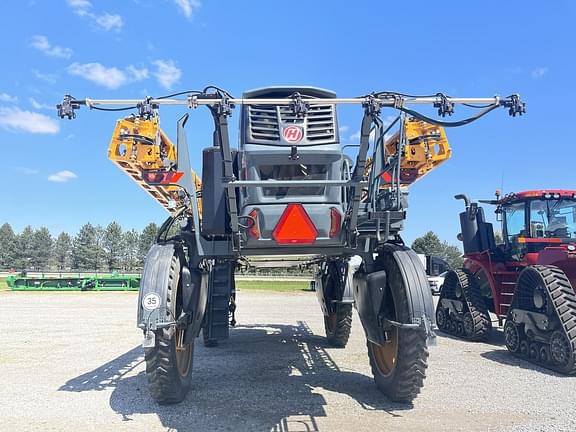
[527,282]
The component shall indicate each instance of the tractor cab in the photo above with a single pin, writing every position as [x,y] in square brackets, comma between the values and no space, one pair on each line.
[533,221]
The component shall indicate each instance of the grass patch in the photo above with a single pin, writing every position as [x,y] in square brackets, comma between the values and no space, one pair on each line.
[278,286]
[3,285]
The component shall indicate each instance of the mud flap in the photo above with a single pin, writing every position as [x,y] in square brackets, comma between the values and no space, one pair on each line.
[370,294]
[195,298]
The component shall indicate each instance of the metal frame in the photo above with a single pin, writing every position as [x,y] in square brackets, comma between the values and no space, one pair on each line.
[369,223]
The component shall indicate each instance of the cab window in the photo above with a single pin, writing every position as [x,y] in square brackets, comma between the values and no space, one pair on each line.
[515,221]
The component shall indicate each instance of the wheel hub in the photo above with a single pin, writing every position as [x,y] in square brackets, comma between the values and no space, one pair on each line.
[386,355]
[560,350]
[468,324]
[511,336]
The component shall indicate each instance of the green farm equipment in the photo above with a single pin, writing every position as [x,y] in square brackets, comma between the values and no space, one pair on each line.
[111,282]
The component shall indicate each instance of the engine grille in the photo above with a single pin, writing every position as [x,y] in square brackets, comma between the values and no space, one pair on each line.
[264,122]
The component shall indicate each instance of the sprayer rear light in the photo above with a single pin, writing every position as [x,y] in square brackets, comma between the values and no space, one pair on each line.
[161,177]
[335,222]
[295,227]
[252,223]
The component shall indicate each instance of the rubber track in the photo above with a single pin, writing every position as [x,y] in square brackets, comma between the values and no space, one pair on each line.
[475,303]
[563,297]
[339,338]
[164,382]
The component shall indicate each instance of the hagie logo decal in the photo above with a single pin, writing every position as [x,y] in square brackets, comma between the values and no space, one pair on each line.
[292,134]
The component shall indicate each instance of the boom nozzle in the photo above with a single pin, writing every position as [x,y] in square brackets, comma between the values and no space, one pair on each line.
[515,105]
[68,107]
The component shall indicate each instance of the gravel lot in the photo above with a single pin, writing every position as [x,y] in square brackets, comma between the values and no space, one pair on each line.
[73,361]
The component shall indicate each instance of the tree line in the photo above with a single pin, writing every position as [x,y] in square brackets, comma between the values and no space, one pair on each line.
[92,248]
[430,244]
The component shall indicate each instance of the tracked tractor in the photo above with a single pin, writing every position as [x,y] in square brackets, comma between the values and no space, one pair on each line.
[290,192]
[527,282]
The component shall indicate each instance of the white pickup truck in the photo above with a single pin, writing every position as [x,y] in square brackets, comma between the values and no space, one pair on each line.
[436,269]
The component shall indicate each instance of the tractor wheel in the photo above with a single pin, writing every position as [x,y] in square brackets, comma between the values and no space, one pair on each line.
[441,317]
[511,336]
[561,352]
[169,363]
[399,365]
[338,325]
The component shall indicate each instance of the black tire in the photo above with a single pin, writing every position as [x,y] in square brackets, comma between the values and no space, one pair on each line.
[338,325]
[399,366]
[169,369]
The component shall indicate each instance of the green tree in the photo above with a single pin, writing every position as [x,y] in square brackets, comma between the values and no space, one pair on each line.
[7,246]
[42,246]
[498,237]
[452,255]
[112,244]
[63,251]
[23,250]
[430,244]
[147,239]
[86,249]
[131,244]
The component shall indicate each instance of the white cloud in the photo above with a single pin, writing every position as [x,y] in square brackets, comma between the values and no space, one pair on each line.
[15,119]
[5,97]
[105,21]
[62,176]
[539,72]
[343,129]
[79,4]
[187,7]
[108,22]
[167,73]
[109,77]
[49,78]
[137,74]
[42,44]
[39,105]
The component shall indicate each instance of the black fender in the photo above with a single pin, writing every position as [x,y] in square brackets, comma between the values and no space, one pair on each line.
[415,279]
[394,264]
[155,278]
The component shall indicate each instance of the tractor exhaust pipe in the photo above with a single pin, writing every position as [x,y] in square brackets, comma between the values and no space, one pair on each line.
[464,197]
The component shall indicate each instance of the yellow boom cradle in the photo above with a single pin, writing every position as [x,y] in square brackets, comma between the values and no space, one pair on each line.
[145,153]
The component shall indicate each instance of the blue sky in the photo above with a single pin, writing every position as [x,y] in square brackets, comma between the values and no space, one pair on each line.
[56,173]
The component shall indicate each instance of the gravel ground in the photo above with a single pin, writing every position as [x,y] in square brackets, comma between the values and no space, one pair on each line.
[73,361]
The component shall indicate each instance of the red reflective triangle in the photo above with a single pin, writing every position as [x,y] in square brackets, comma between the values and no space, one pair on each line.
[295,226]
